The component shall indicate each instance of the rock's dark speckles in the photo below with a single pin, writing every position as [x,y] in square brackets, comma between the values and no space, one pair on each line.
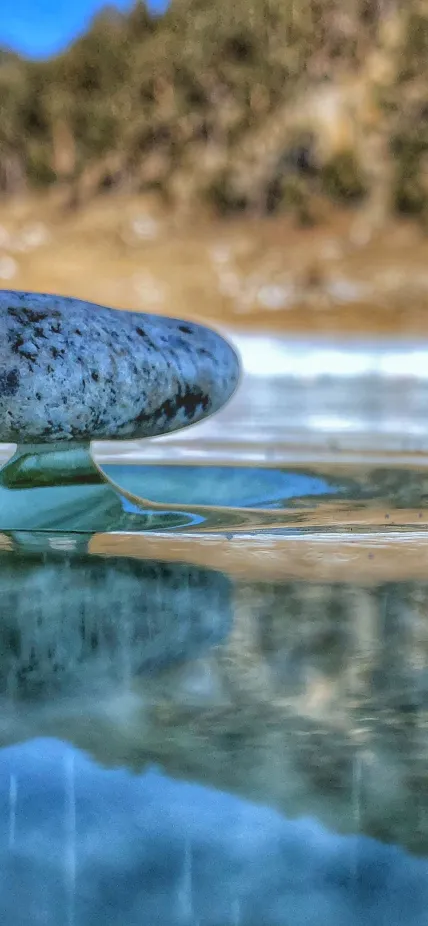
[73,371]
[9,382]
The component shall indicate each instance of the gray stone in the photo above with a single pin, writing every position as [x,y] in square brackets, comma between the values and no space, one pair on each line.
[74,371]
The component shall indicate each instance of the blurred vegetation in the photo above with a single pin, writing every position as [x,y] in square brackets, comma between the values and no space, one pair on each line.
[261,105]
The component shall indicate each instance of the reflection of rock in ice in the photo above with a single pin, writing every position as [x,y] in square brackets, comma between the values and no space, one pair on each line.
[84,619]
[88,846]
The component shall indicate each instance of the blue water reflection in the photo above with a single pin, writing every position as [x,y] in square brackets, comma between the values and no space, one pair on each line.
[83,845]
[231,486]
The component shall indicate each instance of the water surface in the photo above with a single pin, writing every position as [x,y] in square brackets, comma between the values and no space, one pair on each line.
[216,712]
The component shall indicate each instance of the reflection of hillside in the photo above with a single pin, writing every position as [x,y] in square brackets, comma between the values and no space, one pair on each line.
[324,707]
[77,622]
[314,700]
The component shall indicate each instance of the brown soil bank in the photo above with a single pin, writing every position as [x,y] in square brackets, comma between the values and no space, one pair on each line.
[266,273]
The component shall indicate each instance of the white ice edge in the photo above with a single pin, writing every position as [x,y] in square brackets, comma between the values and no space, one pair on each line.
[266,355]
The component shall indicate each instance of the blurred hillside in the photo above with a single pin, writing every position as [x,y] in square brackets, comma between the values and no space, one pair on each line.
[248,160]
[261,105]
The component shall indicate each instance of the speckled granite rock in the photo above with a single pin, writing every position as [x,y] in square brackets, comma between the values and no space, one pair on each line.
[73,371]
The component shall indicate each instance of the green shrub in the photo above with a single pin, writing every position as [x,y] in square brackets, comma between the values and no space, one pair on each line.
[341,178]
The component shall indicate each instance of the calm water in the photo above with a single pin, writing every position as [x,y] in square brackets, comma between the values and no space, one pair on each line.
[184,743]
[223,719]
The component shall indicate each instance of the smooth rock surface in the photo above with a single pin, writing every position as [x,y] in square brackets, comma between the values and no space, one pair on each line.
[74,371]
